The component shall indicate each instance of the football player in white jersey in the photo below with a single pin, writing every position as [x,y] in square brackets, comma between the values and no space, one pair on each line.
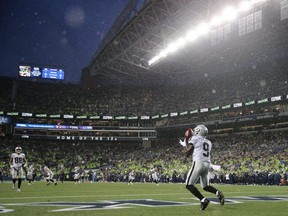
[49,175]
[30,172]
[131,177]
[155,176]
[17,162]
[77,175]
[200,149]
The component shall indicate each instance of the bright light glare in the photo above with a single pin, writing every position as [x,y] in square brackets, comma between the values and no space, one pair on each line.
[172,47]
[176,45]
[180,42]
[163,53]
[245,6]
[228,15]
[253,2]
[153,60]
[203,29]
[191,36]
[216,21]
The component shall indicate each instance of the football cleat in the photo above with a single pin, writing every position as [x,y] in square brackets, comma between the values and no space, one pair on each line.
[221,198]
[204,204]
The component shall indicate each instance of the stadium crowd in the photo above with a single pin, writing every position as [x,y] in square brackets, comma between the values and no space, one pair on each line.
[27,96]
[253,158]
[258,158]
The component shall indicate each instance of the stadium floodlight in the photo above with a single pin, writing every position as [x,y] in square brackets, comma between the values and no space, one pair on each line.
[228,15]
[163,53]
[172,47]
[216,21]
[253,2]
[153,60]
[203,29]
[191,36]
[245,6]
[180,42]
[175,45]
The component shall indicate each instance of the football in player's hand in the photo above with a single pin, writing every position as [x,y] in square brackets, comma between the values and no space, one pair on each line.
[188,133]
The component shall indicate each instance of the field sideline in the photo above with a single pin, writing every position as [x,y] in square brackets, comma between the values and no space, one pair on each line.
[139,199]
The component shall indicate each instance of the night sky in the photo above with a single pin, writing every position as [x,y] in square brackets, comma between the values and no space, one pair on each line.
[62,33]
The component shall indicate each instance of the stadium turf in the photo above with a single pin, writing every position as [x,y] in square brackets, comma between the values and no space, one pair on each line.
[139,199]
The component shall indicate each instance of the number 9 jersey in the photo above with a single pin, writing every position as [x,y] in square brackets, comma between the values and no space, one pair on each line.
[202,148]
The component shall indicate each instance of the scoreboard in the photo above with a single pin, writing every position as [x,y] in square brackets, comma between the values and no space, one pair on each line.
[41,72]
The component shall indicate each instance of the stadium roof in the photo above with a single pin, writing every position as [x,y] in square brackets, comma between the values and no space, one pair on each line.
[138,35]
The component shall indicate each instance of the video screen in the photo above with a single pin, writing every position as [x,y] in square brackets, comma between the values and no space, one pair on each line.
[41,72]
[51,73]
[24,71]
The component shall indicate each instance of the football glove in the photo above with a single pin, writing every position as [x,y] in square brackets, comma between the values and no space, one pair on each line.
[215,167]
[182,143]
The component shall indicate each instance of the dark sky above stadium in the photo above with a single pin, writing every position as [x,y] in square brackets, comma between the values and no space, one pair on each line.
[63,33]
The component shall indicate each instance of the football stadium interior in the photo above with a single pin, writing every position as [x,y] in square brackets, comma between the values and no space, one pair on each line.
[163,67]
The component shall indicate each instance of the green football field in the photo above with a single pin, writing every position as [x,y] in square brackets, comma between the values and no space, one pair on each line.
[138,199]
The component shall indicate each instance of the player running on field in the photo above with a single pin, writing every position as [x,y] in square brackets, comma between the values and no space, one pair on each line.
[200,149]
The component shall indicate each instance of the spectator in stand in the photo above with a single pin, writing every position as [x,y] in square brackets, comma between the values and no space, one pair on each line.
[239,154]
